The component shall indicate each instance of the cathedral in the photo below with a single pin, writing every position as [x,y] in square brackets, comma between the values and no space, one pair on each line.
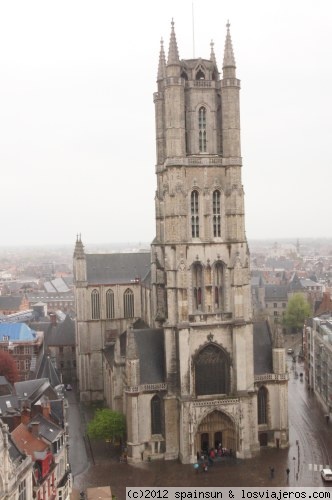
[167,337]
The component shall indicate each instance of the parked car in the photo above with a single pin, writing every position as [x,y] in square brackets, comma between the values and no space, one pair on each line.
[68,387]
[326,474]
[290,351]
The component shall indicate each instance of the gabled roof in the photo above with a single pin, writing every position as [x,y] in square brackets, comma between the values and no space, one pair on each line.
[5,386]
[26,442]
[47,370]
[117,267]
[34,389]
[61,334]
[10,302]
[17,332]
[9,405]
[47,429]
[276,292]
[262,348]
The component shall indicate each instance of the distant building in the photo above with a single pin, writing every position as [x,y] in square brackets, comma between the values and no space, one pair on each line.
[24,344]
[10,304]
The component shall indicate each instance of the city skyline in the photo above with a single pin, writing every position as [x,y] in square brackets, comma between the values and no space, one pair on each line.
[77,123]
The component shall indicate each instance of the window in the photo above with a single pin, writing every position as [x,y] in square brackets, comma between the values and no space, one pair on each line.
[5,338]
[109,304]
[22,495]
[202,129]
[128,303]
[194,215]
[275,313]
[156,415]
[197,278]
[212,371]
[216,214]
[27,364]
[95,304]
[275,305]
[262,405]
[218,278]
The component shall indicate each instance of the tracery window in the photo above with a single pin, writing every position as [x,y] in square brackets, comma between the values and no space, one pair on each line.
[194,214]
[156,415]
[128,303]
[218,281]
[212,371]
[95,304]
[216,214]
[197,280]
[109,304]
[262,405]
[202,129]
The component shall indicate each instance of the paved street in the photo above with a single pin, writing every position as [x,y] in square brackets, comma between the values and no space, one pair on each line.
[310,449]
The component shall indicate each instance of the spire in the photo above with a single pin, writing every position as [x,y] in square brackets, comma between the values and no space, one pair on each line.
[162,62]
[173,53]
[229,60]
[79,248]
[212,55]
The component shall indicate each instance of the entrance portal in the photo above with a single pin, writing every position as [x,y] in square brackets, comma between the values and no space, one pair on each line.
[217,429]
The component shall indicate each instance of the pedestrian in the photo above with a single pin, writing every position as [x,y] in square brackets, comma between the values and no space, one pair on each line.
[287,472]
[271,472]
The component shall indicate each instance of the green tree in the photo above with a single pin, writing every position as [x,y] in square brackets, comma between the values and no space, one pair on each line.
[298,308]
[107,424]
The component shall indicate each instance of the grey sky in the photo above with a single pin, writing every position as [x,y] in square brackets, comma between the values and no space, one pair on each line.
[77,148]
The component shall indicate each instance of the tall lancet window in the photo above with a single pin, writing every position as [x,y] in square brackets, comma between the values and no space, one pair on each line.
[128,303]
[109,304]
[197,286]
[216,214]
[95,304]
[194,215]
[202,129]
[156,415]
[262,405]
[218,278]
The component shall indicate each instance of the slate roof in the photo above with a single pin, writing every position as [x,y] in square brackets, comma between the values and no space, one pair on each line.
[117,267]
[150,347]
[61,334]
[9,302]
[262,348]
[33,390]
[276,292]
[9,406]
[17,332]
[46,370]
[5,386]
[47,429]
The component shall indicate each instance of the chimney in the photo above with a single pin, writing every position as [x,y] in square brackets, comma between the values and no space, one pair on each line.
[46,409]
[53,319]
[25,416]
[34,428]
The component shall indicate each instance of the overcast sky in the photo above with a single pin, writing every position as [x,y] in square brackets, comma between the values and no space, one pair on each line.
[77,138]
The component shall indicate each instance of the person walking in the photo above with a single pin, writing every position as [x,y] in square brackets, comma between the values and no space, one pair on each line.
[287,473]
[271,472]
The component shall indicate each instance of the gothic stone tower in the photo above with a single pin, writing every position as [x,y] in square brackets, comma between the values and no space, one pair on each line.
[200,258]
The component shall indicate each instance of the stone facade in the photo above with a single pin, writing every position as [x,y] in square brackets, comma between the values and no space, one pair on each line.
[186,380]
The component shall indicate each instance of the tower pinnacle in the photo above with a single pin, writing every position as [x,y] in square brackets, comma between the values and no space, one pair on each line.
[162,62]
[173,53]
[229,60]
[212,54]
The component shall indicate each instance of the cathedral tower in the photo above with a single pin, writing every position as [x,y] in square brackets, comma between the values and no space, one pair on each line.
[200,258]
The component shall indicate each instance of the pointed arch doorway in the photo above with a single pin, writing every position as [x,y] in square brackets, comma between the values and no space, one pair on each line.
[216,428]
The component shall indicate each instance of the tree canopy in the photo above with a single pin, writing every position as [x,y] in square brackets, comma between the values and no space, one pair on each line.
[107,424]
[8,367]
[298,308]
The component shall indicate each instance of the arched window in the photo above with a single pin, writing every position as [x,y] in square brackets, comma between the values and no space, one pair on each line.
[95,304]
[262,405]
[202,129]
[218,281]
[200,75]
[194,215]
[197,279]
[109,304]
[216,214]
[156,415]
[212,371]
[128,303]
